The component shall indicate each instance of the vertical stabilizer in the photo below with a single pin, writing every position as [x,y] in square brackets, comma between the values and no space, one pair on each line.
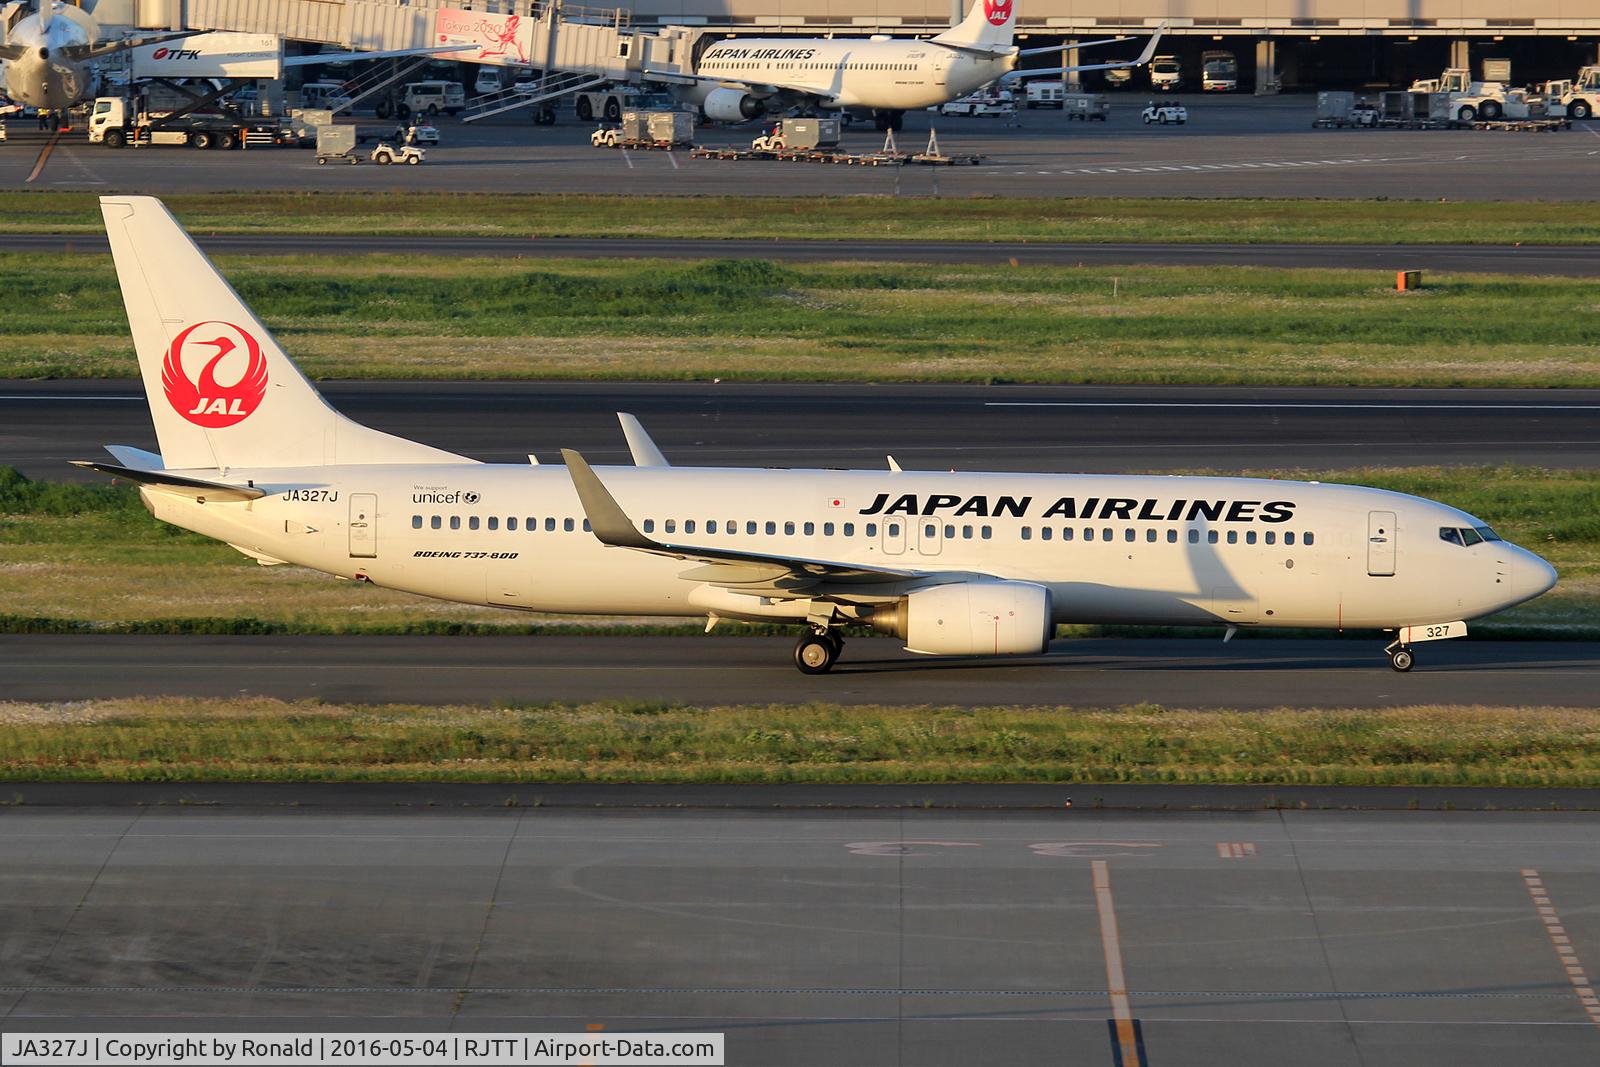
[221,391]
[989,24]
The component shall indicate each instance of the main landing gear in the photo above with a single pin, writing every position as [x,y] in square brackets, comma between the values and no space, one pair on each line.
[1400,657]
[816,652]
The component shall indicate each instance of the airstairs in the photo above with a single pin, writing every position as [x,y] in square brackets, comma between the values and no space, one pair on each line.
[554,85]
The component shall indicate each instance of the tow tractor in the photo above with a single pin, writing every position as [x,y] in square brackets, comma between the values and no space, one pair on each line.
[408,154]
[1165,113]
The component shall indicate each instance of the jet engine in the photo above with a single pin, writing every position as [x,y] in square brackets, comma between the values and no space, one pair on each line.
[971,619]
[731,105]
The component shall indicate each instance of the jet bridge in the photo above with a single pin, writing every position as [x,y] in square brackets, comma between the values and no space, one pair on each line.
[573,47]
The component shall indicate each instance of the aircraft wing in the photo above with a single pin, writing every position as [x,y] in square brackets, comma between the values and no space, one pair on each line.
[724,566]
[1064,47]
[80,52]
[1144,57]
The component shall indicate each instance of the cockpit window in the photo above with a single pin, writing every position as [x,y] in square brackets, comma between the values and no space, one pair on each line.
[1467,536]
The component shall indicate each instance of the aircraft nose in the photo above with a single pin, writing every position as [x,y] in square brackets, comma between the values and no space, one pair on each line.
[1531,576]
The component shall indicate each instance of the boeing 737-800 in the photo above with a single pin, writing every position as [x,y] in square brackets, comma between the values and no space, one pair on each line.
[954,564]
[739,79]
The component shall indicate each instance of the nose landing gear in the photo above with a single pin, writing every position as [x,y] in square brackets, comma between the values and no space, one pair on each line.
[816,652]
[1400,657]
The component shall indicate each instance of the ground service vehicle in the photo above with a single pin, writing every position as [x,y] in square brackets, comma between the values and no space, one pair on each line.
[984,104]
[1219,72]
[608,104]
[431,98]
[329,95]
[1086,106]
[1469,100]
[1577,98]
[386,154]
[647,129]
[797,134]
[1166,113]
[953,564]
[1045,94]
[1165,73]
[336,142]
[117,121]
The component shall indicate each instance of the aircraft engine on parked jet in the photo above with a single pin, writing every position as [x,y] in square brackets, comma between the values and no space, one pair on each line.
[731,105]
[971,619]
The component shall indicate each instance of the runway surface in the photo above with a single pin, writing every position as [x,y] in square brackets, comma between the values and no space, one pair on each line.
[1245,673]
[44,424]
[1564,260]
[1232,147]
[926,938]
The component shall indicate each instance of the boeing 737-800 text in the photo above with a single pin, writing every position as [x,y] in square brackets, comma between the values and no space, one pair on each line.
[953,563]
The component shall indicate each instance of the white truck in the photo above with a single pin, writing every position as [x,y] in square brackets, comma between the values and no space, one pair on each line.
[983,103]
[607,104]
[1045,94]
[118,120]
[1219,72]
[1165,74]
[1574,98]
[423,98]
[1469,100]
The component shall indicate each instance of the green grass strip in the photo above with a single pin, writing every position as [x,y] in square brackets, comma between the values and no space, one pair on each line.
[1094,219]
[258,739]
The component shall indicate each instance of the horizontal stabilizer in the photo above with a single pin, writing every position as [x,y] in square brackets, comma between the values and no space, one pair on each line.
[137,458]
[160,479]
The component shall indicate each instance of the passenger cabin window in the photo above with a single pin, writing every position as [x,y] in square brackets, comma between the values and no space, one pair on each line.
[1309,539]
[434,522]
[1288,537]
[688,526]
[649,526]
[566,524]
[1045,532]
[455,522]
[416,522]
[549,526]
[850,529]
[511,522]
[472,523]
[827,529]
[670,526]
[494,522]
[810,529]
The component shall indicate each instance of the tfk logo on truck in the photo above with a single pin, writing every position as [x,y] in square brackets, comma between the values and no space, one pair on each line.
[998,12]
[176,55]
[214,346]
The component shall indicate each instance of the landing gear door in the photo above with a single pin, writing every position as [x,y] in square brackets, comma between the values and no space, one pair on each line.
[363,525]
[1380,543]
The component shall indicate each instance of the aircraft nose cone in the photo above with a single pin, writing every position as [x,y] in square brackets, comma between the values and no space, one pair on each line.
[1531,576]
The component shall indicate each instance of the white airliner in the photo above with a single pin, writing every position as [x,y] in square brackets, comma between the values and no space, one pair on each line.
[736,80]
[954,564]
[48,52]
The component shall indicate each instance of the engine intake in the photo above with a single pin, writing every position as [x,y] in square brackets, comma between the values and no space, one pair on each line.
[971,619]
[731,105]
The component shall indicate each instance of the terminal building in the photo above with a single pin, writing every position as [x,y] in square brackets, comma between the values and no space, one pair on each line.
[1293,45]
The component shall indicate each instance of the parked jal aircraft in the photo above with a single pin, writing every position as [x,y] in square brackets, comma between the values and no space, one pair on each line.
[736,79]
[954,564]
[47,58]
[48,52]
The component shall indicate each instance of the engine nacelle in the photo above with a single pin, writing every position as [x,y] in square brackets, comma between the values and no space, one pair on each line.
[972,619]
[731,105]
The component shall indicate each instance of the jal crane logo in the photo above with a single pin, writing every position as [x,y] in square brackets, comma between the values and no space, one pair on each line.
[203,400]
[998,12]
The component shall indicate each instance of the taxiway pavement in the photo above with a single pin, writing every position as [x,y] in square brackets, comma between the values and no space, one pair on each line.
[1377,939]
[1580,261]
[1094,429]
[1232,147]
[1185,673]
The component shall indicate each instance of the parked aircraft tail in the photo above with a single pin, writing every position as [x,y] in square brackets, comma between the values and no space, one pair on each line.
[989,24]
[221,391]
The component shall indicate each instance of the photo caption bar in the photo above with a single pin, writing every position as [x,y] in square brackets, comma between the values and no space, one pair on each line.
[292,1050]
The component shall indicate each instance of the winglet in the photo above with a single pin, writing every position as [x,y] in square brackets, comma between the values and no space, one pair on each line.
[1150,49]
[610,524]
[645,452]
